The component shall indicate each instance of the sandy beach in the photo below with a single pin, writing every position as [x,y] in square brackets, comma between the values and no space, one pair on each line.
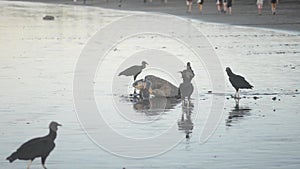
[244,12]
[41,81]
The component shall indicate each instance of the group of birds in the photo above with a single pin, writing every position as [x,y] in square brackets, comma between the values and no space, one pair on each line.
[186,87]
[41,147]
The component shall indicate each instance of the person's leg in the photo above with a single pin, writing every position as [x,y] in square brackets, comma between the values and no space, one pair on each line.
[259,7]
[190,6]
[229,7]
[200,7]
[218,6]
[273,6]
[187,6]
[225,6]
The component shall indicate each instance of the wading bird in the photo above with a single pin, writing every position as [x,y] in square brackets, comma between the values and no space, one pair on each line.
[37,147]
[134,70]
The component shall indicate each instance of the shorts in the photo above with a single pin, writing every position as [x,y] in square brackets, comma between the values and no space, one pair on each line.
[229,3]
[260,2]
[273,1]
[218,2]
[200,2]
[188,2]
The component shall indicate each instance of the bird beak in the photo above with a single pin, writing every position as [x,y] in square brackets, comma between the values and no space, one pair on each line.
[59,125]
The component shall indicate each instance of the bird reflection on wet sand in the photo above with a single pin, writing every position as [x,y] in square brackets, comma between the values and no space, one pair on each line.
[185,123]
[155,105]
[236,114]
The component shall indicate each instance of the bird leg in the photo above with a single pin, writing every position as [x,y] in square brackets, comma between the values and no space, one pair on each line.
[237,97]
[182,102]
[237,101]
[188,103]
[29,164]
[43,162]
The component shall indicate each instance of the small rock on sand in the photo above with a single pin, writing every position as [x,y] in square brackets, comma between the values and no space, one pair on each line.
[48,17]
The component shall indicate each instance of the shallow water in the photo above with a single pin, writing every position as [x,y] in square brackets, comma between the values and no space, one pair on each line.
[37,68]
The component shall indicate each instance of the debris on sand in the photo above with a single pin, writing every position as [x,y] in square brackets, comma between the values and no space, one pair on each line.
[209,92]
[255,97]
[274,98]
[48,18]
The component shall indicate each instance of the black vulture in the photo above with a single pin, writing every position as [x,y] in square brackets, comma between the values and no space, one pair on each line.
[188,73]
[238,82]
[37,147]
[186,90]
[134,70]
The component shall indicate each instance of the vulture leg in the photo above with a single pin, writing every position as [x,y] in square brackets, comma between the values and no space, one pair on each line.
[43,162]
[29,164]
[235,95]
[182,101]
[134,78]
[237,101]
[188,102]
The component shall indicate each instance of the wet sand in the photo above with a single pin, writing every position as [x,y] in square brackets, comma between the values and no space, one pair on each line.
[37,72]
[244,12]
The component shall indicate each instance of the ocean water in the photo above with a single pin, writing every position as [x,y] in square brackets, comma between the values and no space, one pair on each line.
[39,62]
